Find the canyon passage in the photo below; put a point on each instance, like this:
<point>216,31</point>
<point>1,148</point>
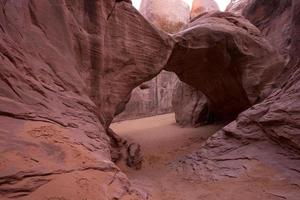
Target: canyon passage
<point>100,100</point>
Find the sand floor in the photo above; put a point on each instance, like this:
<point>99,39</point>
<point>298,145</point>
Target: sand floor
<point>163,141</point>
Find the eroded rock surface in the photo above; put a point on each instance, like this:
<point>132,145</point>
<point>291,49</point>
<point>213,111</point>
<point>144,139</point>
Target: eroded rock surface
<point>266,137</point>
<point>66,70</point>
<point>271,17</point>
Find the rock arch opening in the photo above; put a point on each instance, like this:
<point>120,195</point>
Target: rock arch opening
<point>213,64</point>
<point>161,96</point>
<point>217,57</point>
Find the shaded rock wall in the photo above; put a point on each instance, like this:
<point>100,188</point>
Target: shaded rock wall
<point>190,104</point>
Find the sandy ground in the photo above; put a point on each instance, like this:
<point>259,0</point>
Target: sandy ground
<point>163,141</point>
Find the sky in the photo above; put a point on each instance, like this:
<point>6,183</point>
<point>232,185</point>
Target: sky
<point>222,3</point>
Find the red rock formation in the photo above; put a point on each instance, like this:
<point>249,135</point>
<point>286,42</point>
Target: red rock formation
<point>191,116</point>
<point>226,58</point>
<point>66,67</point>
<point>201,6</point>
<point>266,135</point>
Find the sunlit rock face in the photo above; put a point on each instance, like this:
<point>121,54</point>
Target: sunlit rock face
<point>201,6</point>
<point>168,15</point>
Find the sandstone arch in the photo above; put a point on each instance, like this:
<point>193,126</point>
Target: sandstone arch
<point>63,80</point>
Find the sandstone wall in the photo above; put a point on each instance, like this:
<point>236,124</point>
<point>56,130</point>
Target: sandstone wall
<point>66,70</point>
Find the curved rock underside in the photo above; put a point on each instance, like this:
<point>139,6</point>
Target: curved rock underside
<point>67,67</point>
<point>189,104</point>
<point>226,58</point>
<point>194,116</point>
